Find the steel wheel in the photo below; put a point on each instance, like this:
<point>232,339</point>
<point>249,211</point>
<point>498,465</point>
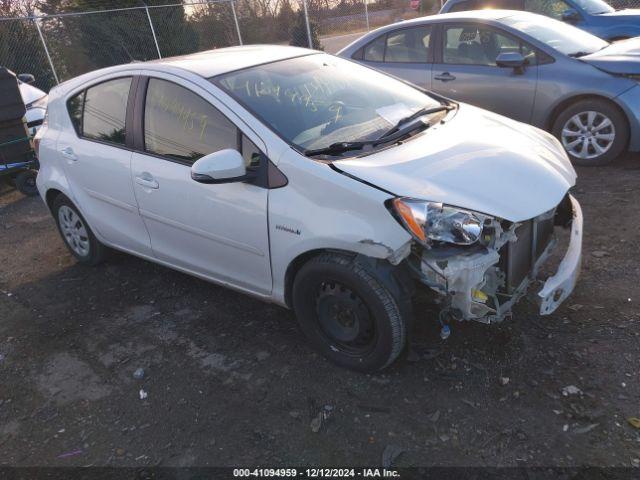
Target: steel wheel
<point>348,312</point>
<point>588,135</point>
<point>74,231</point>
<point>344,319</point>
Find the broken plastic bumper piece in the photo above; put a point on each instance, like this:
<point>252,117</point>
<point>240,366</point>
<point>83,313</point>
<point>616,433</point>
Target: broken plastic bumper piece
<point>558,287</point>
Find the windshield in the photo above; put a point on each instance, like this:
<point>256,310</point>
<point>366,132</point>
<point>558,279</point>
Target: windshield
<point>318,100</point>
<point>558,35</point>
<point>594,7</point>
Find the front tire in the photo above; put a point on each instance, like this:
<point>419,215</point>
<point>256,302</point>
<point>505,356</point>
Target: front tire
<point>348,314</point>
<point>76,233</point>
<point>593,132</point>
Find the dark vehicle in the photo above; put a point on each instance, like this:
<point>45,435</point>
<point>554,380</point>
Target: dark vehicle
<point>18,161</point>
<point>594,16</point>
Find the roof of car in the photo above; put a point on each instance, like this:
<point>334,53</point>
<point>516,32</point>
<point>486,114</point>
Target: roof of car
<point>488,15</point>
<point>485,14</point>
<point>223,60</point>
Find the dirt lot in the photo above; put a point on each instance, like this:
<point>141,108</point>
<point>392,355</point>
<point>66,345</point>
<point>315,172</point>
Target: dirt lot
<point>231,381</point>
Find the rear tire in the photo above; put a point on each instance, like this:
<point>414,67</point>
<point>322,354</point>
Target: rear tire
<point>26,183</point>
<point>593,132</point>
<point>348,314</point>
<point>76,233</point>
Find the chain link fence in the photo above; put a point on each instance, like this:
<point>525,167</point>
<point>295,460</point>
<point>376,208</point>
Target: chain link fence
<point>623,4</point>
<point>37,37</point>
<point>56,47</point>
<point>21,50</point>
<point>78,43</point>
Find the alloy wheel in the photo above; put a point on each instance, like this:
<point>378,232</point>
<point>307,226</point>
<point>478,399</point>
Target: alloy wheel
<point>588,135</point>
<point>73,231</point>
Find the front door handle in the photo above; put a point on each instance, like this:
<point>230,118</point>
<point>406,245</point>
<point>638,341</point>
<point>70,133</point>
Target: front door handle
<point>69,154</point>
<point>146,180</point>
<point>445,77</point>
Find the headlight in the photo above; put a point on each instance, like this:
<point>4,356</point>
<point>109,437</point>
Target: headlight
<point>429,221</point>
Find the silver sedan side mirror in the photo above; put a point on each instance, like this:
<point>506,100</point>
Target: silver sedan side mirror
<point>513,60</point>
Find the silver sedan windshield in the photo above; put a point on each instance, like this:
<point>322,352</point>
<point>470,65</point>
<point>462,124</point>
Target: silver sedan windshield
<point>564,38</point>
<point>318,100</point>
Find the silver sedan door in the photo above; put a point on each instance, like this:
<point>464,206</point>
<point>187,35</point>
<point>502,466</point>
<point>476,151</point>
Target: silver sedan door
<point>466,70</point>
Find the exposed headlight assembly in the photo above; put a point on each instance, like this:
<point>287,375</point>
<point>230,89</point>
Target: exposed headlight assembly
<point>429,221</point>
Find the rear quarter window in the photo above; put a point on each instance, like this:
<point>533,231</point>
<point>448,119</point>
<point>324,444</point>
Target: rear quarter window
<point>74,107</point>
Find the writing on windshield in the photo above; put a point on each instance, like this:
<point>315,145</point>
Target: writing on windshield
<point>317,100</point>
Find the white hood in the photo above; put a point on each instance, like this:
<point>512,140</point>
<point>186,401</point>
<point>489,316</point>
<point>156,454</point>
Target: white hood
<point>476,160</point>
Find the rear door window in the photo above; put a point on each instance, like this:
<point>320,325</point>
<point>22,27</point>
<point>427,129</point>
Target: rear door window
<point>374,51</point>
<point>99,112</point>
<point>408,45</point>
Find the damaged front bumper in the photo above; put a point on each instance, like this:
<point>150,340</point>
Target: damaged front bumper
<point>484,282</point>
<point>558,287</point>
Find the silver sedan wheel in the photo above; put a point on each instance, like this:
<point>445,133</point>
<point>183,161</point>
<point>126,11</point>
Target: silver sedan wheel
<point>74,231</point>
<point>588,135</point>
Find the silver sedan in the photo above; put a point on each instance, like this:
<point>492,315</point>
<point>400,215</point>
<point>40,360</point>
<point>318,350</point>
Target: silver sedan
<point>528,67</point>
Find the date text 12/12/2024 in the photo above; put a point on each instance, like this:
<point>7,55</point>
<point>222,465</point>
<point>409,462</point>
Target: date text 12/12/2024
<point>315,473</point>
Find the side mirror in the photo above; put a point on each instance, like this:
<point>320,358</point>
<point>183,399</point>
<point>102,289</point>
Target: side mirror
<point>570,15</point>
<point>513,60</point>
<point>26,78</point>
<point>224,166</point>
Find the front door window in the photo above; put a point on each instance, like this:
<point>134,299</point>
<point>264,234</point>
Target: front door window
<point>479,45</point>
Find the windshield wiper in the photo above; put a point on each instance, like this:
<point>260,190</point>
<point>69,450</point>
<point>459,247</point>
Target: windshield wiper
<point>390,135</point>
<point>337,148</point>
<point>341,147</point>
<point>420,113</point>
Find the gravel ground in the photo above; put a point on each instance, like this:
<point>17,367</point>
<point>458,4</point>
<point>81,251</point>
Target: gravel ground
<point>230,381</point>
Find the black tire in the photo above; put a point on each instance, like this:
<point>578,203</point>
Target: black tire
<point>333,292</point>
<point>607,109</point>
<point>95,251</point>
<point>26,183</point>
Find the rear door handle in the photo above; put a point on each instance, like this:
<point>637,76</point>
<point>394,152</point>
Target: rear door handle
<point>69,154</point>
<point>445,77</point>
<point>146,180</point>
